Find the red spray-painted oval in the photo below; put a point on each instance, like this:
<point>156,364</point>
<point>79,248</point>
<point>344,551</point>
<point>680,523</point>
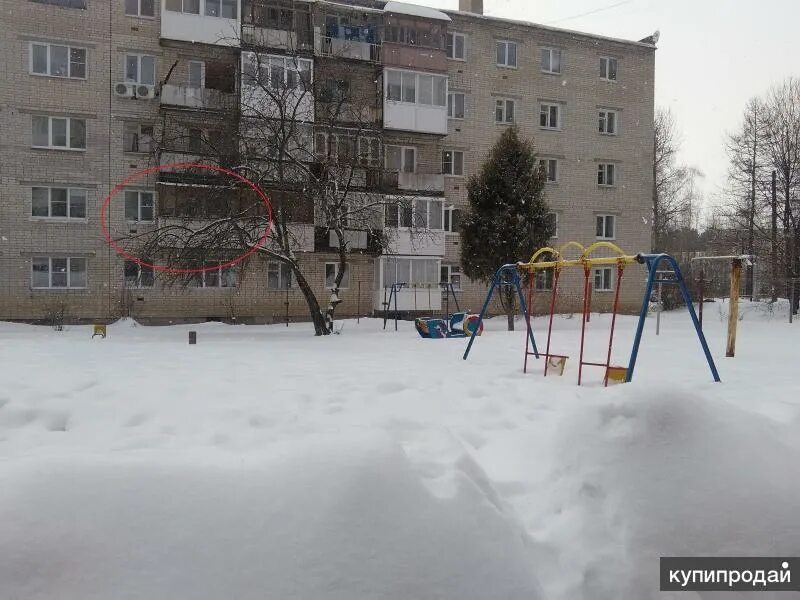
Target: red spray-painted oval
<point>186,165</point>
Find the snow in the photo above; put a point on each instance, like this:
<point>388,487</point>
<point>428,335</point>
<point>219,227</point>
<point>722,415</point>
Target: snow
<point>264,462</point>
<point>414,10</point>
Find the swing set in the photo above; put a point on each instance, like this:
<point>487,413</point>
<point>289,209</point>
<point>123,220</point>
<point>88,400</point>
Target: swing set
<point>555,260</point>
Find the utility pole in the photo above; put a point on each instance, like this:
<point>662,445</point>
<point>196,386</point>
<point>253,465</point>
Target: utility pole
<point>774,256</point>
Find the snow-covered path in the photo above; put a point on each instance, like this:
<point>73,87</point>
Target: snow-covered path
<point>265,463</point>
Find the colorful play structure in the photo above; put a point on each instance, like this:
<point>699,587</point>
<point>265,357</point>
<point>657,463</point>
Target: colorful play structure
<point>551,258</point>
<point>459,324</point>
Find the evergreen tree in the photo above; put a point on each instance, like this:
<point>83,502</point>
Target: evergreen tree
<point>508,218</point>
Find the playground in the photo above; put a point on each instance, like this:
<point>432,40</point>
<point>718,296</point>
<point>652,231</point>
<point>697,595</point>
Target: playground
<point>373,449</point>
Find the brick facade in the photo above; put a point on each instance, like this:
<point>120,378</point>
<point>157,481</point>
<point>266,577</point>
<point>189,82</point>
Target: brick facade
<point>107,35</point>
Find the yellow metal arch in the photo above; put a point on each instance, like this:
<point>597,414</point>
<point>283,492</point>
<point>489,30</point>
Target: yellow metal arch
<point>584,260</point>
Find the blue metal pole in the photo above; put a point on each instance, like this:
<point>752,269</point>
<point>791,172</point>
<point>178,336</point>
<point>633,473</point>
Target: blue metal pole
<point>525,316</point>
<point>483,312</point>
<point>690,307</point>
<point>642,316</point>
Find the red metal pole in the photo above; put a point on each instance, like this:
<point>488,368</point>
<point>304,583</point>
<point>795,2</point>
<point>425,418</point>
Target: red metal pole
<point>531,277</point>
<point>583,318</point>
<point>620,269</point>
<point>552,312</point>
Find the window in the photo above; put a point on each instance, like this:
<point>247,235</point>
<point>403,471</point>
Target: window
<point>603,279</point>
<point>608,68</point>
<point>451,274</point>
<point>332,271</point>
<point>411,271</point>
<point>452,218</point>
<point>197,74</point>
<point>334,90</point>
<point>605,227</point>
<point>401,158</point>
<point>63,3</point>
<point>553,218</point>
<point>57,272</point>
<point>221,8</point>
<point>139,206</point>
<point>369,151</point>
<point>140,8</point>
<point>186,6</point>
<point>58,203</point>
<point>420,213</point>
<point>58,61</point>
<point>456,43</point>
<point>61,133</point>
<point>416,88</point>
<point>137,138</point>
<point>607,122</point>
<point>506,54</point>
<point>223,277</point>
<point>549,116</point>
<point>550,168</point>
<point>504,111</point>
<point>551,60</point>
<point>284,72</point>
<point>409,86</point>
<point>543,280</point>
<point>138,275</point>
<point>140,68</point>
<point>455,105</point>
<point>606,174</point>
<point>279,276</point>
<point>452,162</point>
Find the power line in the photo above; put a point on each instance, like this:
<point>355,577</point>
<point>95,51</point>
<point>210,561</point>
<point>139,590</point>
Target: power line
<point>590,12</point>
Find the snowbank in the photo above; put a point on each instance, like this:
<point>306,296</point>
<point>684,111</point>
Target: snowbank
<point>340,519</point>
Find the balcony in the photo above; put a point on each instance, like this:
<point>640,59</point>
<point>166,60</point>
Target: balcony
<point>424,182</point>
<point>199,98</point>
<point>282,39</point>
<point>199,28</point>
<point>415,117</point>
<point>346,48</point>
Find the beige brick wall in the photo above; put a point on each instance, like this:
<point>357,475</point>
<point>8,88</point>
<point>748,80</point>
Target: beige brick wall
<point>108,34</point>
<point>577,146</point>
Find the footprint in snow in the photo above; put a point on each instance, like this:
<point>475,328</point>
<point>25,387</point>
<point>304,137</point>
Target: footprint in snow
<point>136,420</point>
<point>391,387</point>
<point>57,421</point>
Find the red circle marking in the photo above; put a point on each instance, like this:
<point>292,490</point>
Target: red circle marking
<point>185,165</point>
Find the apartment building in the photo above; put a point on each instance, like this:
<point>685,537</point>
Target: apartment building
<point>95,90</point>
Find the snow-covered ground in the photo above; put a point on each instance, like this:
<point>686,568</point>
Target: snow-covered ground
<point>266,463</point>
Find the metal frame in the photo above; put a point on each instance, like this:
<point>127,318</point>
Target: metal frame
<point>505,275</point>
<point>652,261</point>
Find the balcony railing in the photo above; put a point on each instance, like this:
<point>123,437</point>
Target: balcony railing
<point>344,48</point>
<point>424,182</point>
<point>201,98</point>
<point>265,37</point>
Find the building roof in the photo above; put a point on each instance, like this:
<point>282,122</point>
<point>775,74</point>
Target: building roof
<point>591,36</point>
<point>415,10</point>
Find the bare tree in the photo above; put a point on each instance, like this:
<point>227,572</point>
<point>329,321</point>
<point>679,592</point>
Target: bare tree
<point>673,184</point>
<point>783,151</point>
<point>316,150</point>
<point>747,208</point>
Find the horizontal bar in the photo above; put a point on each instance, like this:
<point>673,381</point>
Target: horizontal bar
<point>593,364</point>
<point>576,262</point>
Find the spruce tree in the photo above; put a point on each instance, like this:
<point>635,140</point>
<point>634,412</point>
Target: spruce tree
<point>508,214</point>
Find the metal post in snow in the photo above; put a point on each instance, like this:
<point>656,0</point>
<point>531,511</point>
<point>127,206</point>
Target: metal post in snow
<point>658,310</point>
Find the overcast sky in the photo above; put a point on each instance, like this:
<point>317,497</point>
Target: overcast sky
<point>712,57</point>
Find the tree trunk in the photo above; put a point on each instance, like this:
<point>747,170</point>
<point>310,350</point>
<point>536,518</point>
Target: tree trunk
<point>317,317</point>
<point>510,305</point>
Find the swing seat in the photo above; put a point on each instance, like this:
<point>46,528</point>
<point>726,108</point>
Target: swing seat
<point>616,375</point>
<point>557,362</point>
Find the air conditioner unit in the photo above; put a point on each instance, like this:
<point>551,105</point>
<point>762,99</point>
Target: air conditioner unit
<point>145,92</point>
<point>125,90</point>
